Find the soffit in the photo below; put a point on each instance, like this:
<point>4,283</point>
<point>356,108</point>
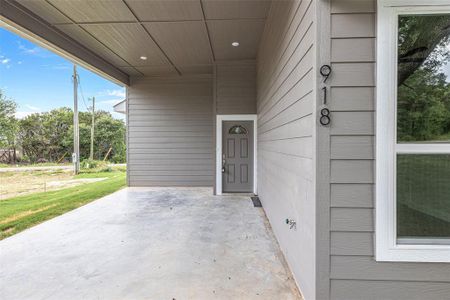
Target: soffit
<point>188,43</point>
<point>242,9</point>
<point>163,10</point>
<point>94,10</point>
<point>81,36</point>
<point>130,41</point>
<point>224,32</point>
<point>46,11</point>
<point>177,36</point>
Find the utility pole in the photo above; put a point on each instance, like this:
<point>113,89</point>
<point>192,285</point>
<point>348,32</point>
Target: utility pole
<point>76,130</point>
<point>91,156</point>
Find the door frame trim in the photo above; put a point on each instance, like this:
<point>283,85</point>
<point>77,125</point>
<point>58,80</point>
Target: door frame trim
<point>219,122</point>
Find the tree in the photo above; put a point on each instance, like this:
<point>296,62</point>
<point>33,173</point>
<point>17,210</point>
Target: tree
<point>423,91</point>
<point>8,122</point>
<point>109,133</point>
<point>49,135</point>
<point>424,107</point>
<point>422,42</point>
<point>42,135</point>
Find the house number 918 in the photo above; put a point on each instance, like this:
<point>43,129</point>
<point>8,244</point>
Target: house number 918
<point>325,118</point>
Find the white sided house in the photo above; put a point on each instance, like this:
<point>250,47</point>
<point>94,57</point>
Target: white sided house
<point>335,113</point>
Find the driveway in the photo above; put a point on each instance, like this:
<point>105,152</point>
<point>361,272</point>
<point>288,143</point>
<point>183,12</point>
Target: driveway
<point>149,243</point>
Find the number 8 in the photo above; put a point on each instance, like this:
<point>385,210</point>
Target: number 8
<point>325,117</point>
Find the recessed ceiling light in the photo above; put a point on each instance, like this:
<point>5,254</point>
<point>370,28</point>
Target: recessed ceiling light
<point>235,44</point>
<point>144,57</point>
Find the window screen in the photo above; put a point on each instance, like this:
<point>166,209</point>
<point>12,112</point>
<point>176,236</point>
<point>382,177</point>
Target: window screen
<point>423,118</point>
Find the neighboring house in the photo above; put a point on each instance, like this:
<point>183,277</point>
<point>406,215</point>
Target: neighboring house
<point>232,94</point>
<point>121,107</point>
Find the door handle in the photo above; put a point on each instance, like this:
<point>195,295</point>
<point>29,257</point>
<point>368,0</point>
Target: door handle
<point>223,163</point>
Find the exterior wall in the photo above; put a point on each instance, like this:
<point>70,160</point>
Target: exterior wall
<point>235,88</point>
<point>354,273</point>
<point>285,105</point>
<point>171,123</point>
<point>170,132</point>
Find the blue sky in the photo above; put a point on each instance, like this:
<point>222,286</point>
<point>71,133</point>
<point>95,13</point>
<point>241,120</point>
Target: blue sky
<point>39,80</point>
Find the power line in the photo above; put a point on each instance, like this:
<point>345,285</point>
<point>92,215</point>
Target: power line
<point>82,94</point>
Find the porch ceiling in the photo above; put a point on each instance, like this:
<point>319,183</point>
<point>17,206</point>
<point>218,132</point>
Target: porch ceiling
<point>177,36</point>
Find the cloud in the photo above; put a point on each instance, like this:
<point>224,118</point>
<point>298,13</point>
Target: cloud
<point>30,110</point>
<point>5,61</point>
<point>62,66</point>
<point>34,108</point>
<point>116,93</point>
<point>23,114</point>
<point>26,50</point>
<point>36,51</point>
<point>110,102</point>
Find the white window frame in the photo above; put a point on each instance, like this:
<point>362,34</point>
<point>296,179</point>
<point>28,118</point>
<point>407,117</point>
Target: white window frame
<point>387,246</point>
<point>219,125</point>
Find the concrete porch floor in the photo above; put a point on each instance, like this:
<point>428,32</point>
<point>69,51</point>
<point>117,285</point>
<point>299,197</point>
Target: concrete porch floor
<point>149,243</point>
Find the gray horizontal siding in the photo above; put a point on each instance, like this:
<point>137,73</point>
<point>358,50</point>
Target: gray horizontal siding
<point>352,147</point>
<point>388,290</point>
<point>285,101</point>
<point>345,25</point>
<point>236,88</point>
<point>352,243</point>
<point>365,268</point>
<point>170,132</point>
<point>352,195</point>
<point>352,99</point>
<point>354,272</point>
<point>352,219</point>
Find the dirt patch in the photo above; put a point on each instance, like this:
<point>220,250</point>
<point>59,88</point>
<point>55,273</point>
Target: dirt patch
<point>69,183</point>
<point>25,213</point>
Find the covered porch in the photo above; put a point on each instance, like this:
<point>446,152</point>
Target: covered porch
<point>149,243</point>
<point>220,94</point>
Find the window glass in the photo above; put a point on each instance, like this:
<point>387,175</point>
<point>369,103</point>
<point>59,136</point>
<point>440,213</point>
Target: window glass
<point>423,196</point>
<point>423,97</point>
<point>237,129</point>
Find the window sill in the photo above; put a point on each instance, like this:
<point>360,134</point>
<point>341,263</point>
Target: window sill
<point>415,253</point>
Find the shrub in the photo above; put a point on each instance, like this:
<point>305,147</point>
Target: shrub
<point>93,166</point>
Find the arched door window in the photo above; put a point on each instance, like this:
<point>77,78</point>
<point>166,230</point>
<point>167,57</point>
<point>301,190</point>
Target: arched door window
<point>237,129</point>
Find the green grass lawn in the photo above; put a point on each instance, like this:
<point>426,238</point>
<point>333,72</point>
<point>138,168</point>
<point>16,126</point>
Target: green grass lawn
<point>20,213</point>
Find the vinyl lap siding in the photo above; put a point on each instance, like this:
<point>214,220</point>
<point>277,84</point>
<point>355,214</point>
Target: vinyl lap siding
<point>170,132</point>
<point>235,88</point>
<point>354,272</point>
<point>285,83</point>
